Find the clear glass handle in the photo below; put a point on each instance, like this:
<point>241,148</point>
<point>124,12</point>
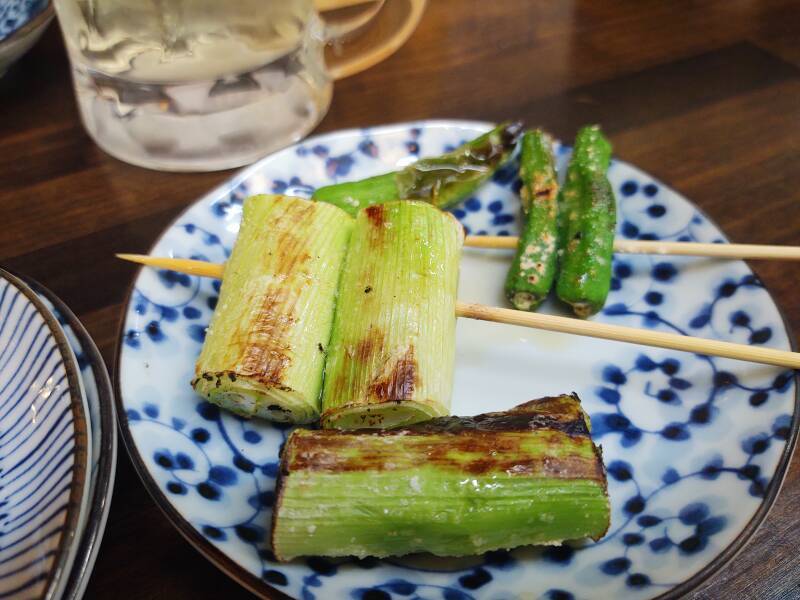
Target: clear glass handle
<point>361,33</point>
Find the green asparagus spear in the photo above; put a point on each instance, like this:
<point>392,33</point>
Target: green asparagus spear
<point>587,222</point>
<point>534,266</point>
<point>443,180</point>
<point>452,486</point>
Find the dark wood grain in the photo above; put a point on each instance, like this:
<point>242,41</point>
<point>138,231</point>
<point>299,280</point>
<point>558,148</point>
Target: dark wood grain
<point>705,96</point>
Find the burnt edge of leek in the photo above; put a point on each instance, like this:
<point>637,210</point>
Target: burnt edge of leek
<point>559,413</point>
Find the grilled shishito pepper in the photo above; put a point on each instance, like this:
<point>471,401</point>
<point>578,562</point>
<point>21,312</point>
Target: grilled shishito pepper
<point>392,349</point>
<point>265,349</point>
<point>443,181</point>
<point>452,486</point>
<point>587,222</point>
<point>534,266</point>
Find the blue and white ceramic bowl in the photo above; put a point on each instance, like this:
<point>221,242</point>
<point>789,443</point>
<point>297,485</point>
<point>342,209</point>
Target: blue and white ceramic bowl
<point>22,22</point>
<point>696,447</point>
<point>103,440</point>
<point>44,449</point>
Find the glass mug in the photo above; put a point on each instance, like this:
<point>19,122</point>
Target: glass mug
<point>202,85</point>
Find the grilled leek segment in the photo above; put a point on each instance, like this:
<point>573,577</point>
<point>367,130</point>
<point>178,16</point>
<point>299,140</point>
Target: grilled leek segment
<point>265,348</point>
<point>453,486</point>
<point>443,180</point>
<point>392,349</point>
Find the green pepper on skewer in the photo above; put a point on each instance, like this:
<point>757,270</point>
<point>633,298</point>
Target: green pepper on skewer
<point>534,266</point>
<point>587,222</point>
<point>591,152</point>
<point>444,180</point>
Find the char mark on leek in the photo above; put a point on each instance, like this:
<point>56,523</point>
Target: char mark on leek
<point>399,382</point>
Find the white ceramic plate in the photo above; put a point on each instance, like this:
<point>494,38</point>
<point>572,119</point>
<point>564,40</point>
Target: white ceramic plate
<point>696,447</point>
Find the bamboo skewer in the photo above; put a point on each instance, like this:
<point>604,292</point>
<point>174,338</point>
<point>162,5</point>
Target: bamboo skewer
<point>672,341</point>
<point>632,335</point>
<point>740,251</point>
<point>181,265</point>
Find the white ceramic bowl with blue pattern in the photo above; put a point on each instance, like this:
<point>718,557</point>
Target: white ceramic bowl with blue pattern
<point>103,438</point>
<point>44,449</point>
<point>696,447</point>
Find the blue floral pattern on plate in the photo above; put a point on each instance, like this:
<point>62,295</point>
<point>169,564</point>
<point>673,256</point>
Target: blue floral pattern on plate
<point>695,446</point>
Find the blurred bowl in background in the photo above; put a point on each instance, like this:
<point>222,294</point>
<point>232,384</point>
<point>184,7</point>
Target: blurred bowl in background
<point>22,22</point>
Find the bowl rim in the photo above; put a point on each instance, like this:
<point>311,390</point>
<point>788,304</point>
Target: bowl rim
<point>262,589</point>
<point>69,536</point>
<point>101,498</point>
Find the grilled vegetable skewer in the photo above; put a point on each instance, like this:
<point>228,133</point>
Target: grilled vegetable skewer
<point>392,348</point>
<point>534,266</point>
<point>264,351</point>
<point>622,246</point>
<point>587,221</point>
<point>453,486</point>
<point>443,181</point>
<point>631,335</point>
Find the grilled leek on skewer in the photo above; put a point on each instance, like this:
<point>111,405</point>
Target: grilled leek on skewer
<point>392,348</point>
<point>265,348</point>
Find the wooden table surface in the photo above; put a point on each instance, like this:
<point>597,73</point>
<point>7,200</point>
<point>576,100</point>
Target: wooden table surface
<point>703,95</point>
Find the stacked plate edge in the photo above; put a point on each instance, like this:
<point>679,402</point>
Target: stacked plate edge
<point>57,444</point>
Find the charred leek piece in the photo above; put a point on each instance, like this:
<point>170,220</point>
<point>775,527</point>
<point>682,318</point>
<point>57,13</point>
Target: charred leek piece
<point>444,181</point>
<point>391,354</point>
<point>533,269</point>
<point>265,348</point>
<point>453,486</point>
